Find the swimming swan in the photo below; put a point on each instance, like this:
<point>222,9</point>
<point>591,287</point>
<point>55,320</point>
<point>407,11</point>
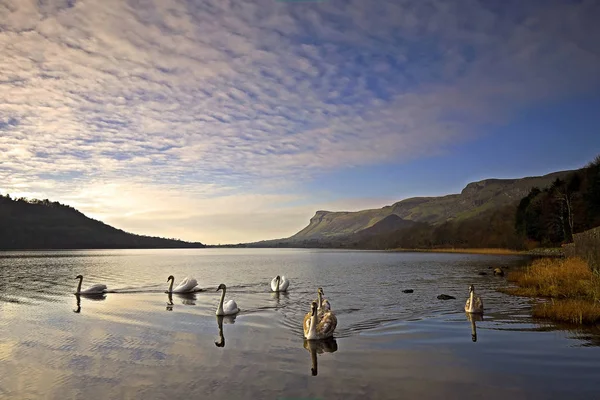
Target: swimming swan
<point>228,308</point>
<point>280,284</point>
<point>185,286</point>
<point>316,328</point>
<point>474,303</point>
<point>94,289</point>
<point>323,304</point>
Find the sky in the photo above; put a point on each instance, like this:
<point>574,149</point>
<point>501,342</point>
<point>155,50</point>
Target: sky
<point>229,121</point>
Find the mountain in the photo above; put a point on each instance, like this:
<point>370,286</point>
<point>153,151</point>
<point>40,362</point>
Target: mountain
<point>42,224</point>
<point>475,199</point>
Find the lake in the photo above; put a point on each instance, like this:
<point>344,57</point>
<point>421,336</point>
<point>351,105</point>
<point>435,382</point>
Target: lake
<point>136,342</point>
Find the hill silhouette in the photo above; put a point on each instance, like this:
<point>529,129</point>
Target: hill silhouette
<point>494,213</point>
<point>43,224</point>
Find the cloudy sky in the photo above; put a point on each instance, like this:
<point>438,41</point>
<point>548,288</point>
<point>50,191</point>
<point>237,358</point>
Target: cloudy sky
<point>228,121</point>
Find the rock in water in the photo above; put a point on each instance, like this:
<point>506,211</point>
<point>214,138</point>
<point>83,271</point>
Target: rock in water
<point>482,273</point>
<point>498,272</point>
<point>445,297</point>
<point>407,291</point>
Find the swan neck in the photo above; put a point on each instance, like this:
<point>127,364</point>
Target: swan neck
<point>79,284</point>
<point>277,287</point>
<point>222,300</point>
<point>320,299</point>
<point>471,297</point>
<point>171,285</point>
<point>313,324</point>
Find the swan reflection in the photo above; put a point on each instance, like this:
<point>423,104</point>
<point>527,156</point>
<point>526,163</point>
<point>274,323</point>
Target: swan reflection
<point>472,318</point>
<point>188,299</point>
<point>93,297</point>
<point>278,295</point>
<point>319,347</point>
<point>228,319</point>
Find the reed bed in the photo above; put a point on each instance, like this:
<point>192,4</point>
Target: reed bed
<point>570,284</point>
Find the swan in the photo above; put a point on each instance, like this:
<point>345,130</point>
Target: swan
<point>185,286</point>
<point>316,328</point>
<point>474,303</point>
<point>228,308</point>
<point>94,289</point>
<point>280,284</point>
<point>322,303</point>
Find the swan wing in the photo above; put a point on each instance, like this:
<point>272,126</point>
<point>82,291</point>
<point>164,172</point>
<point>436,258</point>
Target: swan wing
<point>283,285</point>
<point>478,303</point>
<point>468,305</point>
<point>230,307</point>
<point>97,288</point>
<point>186,285</point>
<point>327,325</point>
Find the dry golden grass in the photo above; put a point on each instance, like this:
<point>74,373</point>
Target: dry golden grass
<point>570,283</point>
<point>572,311</point>
<point>467,251</point>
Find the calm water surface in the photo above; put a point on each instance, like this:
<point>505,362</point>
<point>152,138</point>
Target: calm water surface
<point>136,342</point>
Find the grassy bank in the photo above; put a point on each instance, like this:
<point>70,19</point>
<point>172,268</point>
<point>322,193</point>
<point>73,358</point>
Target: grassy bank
<point>466,251</point>
<point>570,285</point>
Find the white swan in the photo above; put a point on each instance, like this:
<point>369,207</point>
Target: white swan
<point>185,286</point>
<point>323,304</point>
<point>94,289</point>
<point>316,328</point>
<point>474,303</point>
<point>280,284</point>
<point>228,308</point>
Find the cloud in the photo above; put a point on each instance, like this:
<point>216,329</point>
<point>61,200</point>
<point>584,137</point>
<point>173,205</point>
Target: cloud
<point>243,98</point>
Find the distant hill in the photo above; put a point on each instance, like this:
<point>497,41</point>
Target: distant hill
<point>42,224</point>
<point>475,199</point>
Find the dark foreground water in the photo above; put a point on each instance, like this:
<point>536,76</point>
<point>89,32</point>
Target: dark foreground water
<point>136,343</point>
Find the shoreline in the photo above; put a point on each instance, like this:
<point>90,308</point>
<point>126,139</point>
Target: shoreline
<point>541,252</point>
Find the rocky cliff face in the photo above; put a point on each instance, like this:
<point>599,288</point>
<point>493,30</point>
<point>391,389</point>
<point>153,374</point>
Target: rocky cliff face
<point>474,199</point>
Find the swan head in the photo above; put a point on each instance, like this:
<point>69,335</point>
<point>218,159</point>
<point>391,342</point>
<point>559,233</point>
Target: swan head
<point>320,290</point>
<point>170,277</point>
<point>221,286</point>
<point>278,277</point>
<point>79,277</point>
<point>471,288</point>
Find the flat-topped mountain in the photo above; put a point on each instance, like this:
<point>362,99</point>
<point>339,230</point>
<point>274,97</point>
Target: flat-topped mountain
<point>42,224</point>
<point>476,198</point>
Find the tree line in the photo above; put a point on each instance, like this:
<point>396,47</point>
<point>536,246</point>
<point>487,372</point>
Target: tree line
<point>43,224</point>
